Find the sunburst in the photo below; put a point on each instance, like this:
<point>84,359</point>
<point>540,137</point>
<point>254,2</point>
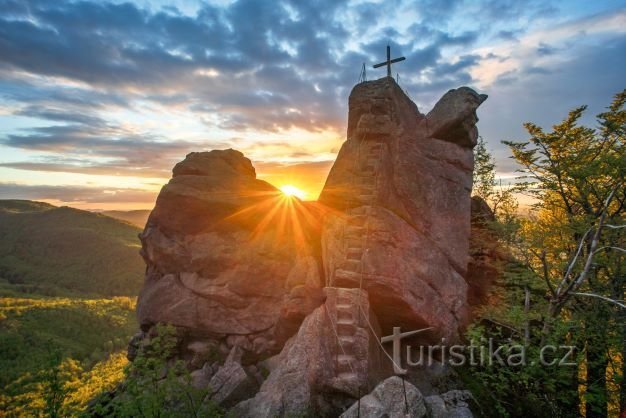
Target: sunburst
<point>292,191</point>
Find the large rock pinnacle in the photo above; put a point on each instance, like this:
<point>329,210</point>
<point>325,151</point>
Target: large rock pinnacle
<point>402,184</point>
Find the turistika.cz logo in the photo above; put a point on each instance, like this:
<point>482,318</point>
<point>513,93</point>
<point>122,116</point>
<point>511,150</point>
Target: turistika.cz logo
<point>483,353</point>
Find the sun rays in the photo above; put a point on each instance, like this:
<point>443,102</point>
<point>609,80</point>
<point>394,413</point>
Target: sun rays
<point>290,191</point>
<point>282,216</point>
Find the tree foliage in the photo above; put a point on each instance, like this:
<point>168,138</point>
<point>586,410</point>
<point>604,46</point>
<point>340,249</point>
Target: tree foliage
<point>158,385</point>
<point>568,283</point>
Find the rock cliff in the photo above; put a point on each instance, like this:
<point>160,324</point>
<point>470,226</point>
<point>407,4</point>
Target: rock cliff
<point>305,290</point>
<point>401,186</point>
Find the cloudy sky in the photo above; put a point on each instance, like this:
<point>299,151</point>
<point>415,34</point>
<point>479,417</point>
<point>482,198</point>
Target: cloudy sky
<point>98,100</point>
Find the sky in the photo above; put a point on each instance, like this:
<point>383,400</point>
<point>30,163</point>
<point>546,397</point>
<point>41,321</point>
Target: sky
<point>99,99</point>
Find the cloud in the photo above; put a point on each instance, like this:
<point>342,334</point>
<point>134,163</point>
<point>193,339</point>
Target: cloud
<point>99,148</point>
<point>532,47</point>
<point>79,167</point>
<point>60,115</point>
<point>74,194</point>
<point>545,95</point>
<point>137,53</point>
<point>294,56</point>
<point>95,86</point>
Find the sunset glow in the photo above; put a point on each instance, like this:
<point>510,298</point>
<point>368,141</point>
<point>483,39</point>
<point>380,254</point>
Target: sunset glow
<point>92,121</point>
<point>289,190</point>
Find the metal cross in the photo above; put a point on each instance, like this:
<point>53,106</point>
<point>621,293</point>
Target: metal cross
<point>389,61</point>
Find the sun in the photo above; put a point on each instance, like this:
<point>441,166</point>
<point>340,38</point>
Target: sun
<point>289,190</point>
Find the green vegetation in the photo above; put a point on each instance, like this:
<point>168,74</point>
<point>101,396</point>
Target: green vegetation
<point>156,386</point>
<point>68,280</point>
<point>58,353</point>
<point>567,285</point>
<point>67,252</point>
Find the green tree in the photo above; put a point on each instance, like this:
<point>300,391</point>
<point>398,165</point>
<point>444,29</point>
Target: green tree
<point>575,240</point>
<point>157,385</point>
<point>500,198</point>
<point>55,384</point>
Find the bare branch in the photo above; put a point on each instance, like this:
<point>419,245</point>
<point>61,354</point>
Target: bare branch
<point>594,244</point>
<point>593,295</point>
<point>610,247</point>
<point>570,267</point>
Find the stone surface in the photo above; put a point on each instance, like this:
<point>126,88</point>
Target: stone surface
<point>201,377</point>
<point>289,289</point>
<point>134,345</point>
<point>487,257</point>
<point>401,189</point>
<point>231,384</point>
<point>388,401</point>
<point>452,404</point>
<point>432,378</point>
<point>420,291</point>
<point>219,262</point>
<point>313,374</point>
<point>454,117</point>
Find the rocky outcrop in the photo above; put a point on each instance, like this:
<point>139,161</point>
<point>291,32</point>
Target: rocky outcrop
<point>219,264</point>
<point>326,365</point>
<point>401,186</point>
<point>396,398</point>
<point>453,404</point>
<point>454,117</point>
<point>297,295</point>
<point>231,384</point>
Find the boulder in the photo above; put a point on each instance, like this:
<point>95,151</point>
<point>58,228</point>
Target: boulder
<point>388,400</point>
<point>452,404</point>
<point>134,345</point>
<point>201,377</point>
<point>454,117</point>
<point>231,384</point>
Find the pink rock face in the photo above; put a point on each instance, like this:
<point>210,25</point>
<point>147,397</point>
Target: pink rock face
<point>230,259</point>
<point>219,261</point>
<point>402,184</point>
<point>237,266</point>
<point>313,373</point>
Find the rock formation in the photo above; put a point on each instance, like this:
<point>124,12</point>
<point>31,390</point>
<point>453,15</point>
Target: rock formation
<point>217,263</point>
<point>487,258</point>
<point>401,185</point>
<point>305,290</point>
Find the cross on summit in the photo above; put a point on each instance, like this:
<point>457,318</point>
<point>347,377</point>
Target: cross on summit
<point>389,61</point>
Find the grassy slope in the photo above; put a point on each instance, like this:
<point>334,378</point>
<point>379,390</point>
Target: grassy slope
<point>63,251</point>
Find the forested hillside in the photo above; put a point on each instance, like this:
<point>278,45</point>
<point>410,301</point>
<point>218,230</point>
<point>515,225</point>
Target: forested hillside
<point>79,343</point>
<point>64,251</point>
<point>68,281</point>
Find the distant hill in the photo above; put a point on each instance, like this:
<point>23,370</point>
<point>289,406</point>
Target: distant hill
<point>135,217</point>
<point>52,250</point>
